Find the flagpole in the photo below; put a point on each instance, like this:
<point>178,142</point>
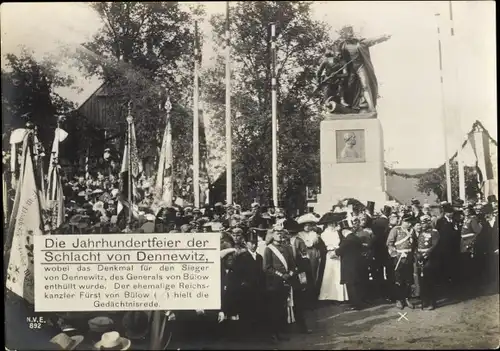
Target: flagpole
<point>456,103</point>
<point>274,116</point>
<point>229,169</point>
<point>130,184</point>
<point>196,124</point>
<point>443,114</point>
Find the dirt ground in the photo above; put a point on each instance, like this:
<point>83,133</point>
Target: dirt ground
<point>464,323</point>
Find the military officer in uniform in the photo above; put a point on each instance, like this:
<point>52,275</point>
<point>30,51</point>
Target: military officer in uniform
<point>427,239</point>
<point>400,245</point>
<point>470,230</point>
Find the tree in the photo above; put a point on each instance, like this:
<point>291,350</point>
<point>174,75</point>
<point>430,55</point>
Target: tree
<point>435,182</point>
<point>28,94</point>
<point>300,42</point>
<point>143,50</point>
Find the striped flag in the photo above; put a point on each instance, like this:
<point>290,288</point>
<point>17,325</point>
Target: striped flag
<point>55,196</point>
<point>25,221</point>
<point>164,177</point>
<point>480,144</point>
<point>131,163</point>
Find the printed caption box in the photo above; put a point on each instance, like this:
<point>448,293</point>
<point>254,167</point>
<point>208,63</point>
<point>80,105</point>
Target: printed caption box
<point>117,272</point>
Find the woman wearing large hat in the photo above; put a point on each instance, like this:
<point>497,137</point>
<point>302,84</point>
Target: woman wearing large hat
<point>331,289</point>
<point>313,243</point>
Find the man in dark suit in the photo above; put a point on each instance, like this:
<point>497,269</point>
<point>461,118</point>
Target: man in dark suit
<point>449,245</point>
<point>280,272</point>
<point>249,266</point>
<point>381,258</point>
<point>353,268</point>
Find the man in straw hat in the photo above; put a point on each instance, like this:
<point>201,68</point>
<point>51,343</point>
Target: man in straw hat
<point>400,245</point>
<point>280,271</point>
<point>112,341</point>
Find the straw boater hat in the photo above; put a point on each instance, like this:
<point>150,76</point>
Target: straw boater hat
<point>112,341</point>
<point>66,342</point>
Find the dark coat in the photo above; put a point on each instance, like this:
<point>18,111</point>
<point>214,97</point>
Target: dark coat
<point>380,228</point>
<point>352,263</point>
<point>273,268</point>
<point>250,271</point>
<point>449,236</point>
<point>231,292</point>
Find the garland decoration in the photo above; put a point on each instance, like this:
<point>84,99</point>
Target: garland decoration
<point>476,127</point>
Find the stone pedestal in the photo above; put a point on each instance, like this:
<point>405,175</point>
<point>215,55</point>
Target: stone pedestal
<point>350,169</point>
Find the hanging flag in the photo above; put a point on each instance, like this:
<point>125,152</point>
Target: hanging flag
<point>130,164</point>
<point>202,138</point>
<point>5,199</point>
<point>164,177</point>
<point>480,144</point>
<point>25,221</point>
<point>16,137</point>
<point>54,198</point>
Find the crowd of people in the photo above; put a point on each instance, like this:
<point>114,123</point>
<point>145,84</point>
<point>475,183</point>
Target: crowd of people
<point>276,267</point>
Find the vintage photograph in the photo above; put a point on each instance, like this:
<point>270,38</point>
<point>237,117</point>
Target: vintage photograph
<point>251,175</point>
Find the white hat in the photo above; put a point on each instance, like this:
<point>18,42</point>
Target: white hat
<point>150,217</point>
<point>112,340</point>
<point>65,342</point>
<point>307,218</point>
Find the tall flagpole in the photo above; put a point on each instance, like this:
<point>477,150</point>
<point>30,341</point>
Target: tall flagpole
<point>229,166</point>
<point>274,117</point>
<point>196,124</point>
<point>456,103</point>
<point>443,113</point>
<point>129,155</point>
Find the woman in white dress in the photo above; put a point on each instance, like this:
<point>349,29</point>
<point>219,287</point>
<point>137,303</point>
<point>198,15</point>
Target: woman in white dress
<point>331,289</point>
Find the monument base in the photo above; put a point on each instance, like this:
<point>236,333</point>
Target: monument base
<point>352,161</point>
<point>326,201</point>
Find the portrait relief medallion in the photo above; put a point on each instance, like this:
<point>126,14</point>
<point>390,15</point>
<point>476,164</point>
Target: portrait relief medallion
<point>350,146</point>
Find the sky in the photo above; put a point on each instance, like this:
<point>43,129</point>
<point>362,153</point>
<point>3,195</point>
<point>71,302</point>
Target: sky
<point>411,108</point>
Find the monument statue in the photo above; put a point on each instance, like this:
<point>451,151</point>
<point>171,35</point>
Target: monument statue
<point>346,75</point>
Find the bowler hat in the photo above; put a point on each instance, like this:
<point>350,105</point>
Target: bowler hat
<point>136,324</point>
<point>448,208</point>
<point>415,202</point>
<point>492,198</point>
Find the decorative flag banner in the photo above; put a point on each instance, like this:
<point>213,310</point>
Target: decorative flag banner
<point>480,145</point>
<point>164,177</point>
<point>131,163</point>
<point>25,221</point>
<point>55,196</point>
